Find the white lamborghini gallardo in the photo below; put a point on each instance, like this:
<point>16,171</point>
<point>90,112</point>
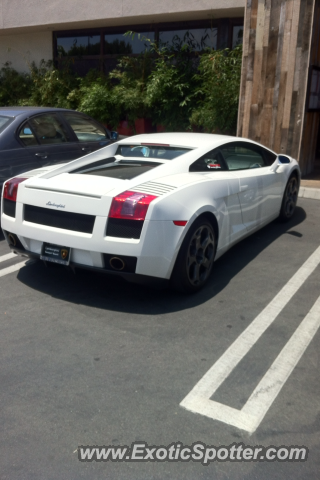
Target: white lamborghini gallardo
<point>158,206</point>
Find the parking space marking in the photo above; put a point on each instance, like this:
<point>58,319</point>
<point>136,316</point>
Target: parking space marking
<point>8,256</point>
<point>252,413</point>
<point>13,268</point>
<point>271,384</point>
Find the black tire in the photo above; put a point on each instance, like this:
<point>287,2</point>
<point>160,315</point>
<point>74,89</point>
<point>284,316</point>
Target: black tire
<point>290,198</point>
<point>195,259</point>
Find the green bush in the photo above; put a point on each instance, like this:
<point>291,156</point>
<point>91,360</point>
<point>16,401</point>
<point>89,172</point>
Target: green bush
<point>14,87</point>
<point>167,83</point>
<point>170,87</point>
<point>98,100</point>
<point>51,86</point>
<point>130,80</point>
<point>218,91</point>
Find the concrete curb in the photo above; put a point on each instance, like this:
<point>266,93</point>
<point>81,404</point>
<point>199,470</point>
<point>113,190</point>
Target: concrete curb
<point>307,192</point>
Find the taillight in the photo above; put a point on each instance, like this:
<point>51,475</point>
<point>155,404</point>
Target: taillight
<point>131,205</point>
<point>10,188</point>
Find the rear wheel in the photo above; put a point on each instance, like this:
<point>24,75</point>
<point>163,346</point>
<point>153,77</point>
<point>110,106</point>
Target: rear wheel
<point>289,200</point>
<point>195,259</point>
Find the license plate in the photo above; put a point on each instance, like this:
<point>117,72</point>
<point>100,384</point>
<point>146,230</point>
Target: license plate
<point>56,254</point>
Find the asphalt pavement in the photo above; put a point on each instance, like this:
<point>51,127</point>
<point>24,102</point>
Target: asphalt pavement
<point>92,360</point>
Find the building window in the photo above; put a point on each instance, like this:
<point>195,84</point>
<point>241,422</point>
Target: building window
<point>100,48</point>
<point>197,38</point>
<point>118,44</point>
<point>76,46</point>
<point>237,35</point>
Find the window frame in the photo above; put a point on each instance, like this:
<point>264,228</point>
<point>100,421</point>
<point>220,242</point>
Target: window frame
<point>139,28</point>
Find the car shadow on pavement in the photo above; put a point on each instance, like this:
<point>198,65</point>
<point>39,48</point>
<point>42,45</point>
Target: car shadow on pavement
<point>112,293</point>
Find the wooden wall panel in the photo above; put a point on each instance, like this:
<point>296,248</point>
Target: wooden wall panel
<point>277,40</point>
<point>311,120</point>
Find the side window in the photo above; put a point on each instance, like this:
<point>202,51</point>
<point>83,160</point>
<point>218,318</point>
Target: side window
<point>269,157</point>
<point>26,136</point>
<point>242,156</point>
<point>210,162</point>
<point>48,129</point>
<point>85,129</point>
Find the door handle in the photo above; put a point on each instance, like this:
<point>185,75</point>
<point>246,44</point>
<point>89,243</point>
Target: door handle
<point>243,188</point>
<point>41,155</point>
<point>86,149</point>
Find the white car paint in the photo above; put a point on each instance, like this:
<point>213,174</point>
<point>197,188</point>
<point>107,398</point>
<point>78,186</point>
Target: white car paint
<point>242,201</point>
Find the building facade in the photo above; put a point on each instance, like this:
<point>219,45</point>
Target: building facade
<point>31,31</point>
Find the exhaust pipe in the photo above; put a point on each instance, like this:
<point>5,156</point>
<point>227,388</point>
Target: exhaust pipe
<point>117,263</point>
<point>12,240</point>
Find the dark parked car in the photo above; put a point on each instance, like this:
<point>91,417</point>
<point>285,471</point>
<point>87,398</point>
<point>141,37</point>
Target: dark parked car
<point>33,137</point>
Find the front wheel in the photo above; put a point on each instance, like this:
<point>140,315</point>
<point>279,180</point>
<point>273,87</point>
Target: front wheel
<point>290,199</point>
<point>195,259</point>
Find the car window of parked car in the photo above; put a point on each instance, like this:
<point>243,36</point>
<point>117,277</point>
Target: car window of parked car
<point>242,156</point>
<point>210,162</point>
<point>48,129</point>
<point>4,122</point>
<point>164,152</point>
<point>26,135</point>
<point>85,129</point>
<point>269,157</point>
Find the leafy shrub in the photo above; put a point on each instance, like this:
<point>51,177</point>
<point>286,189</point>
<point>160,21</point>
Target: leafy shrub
<point>14,86</point>
<point>167,83</point>
<point>98,100</point>
<point>130,80</point>
<point>51,86</point>
<point>218,91</point>
<point>169,90</point>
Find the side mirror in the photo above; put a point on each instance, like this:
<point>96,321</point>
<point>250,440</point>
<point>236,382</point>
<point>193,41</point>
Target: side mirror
<point>114,135</point>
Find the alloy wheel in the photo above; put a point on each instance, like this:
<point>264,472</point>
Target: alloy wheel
<point>291,197</point>
<point>200,255</point>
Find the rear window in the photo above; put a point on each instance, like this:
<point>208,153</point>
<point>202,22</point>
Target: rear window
<point>123,169</point>
<point>4,122</point>
<point>151,151</point>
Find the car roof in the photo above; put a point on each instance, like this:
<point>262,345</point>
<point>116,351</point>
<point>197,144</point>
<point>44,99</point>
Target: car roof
<point>186,139</point>
<point>183,139</point>
<point>16,111</point>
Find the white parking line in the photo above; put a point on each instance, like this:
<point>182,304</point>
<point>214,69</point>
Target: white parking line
<point>13,268</point>
<point>250,416</point>
<point>271,384</point>
<point>3,258</point>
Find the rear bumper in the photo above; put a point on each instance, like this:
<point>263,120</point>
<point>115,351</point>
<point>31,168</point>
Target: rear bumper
<point>129,277</point>
<point>155,251</point>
